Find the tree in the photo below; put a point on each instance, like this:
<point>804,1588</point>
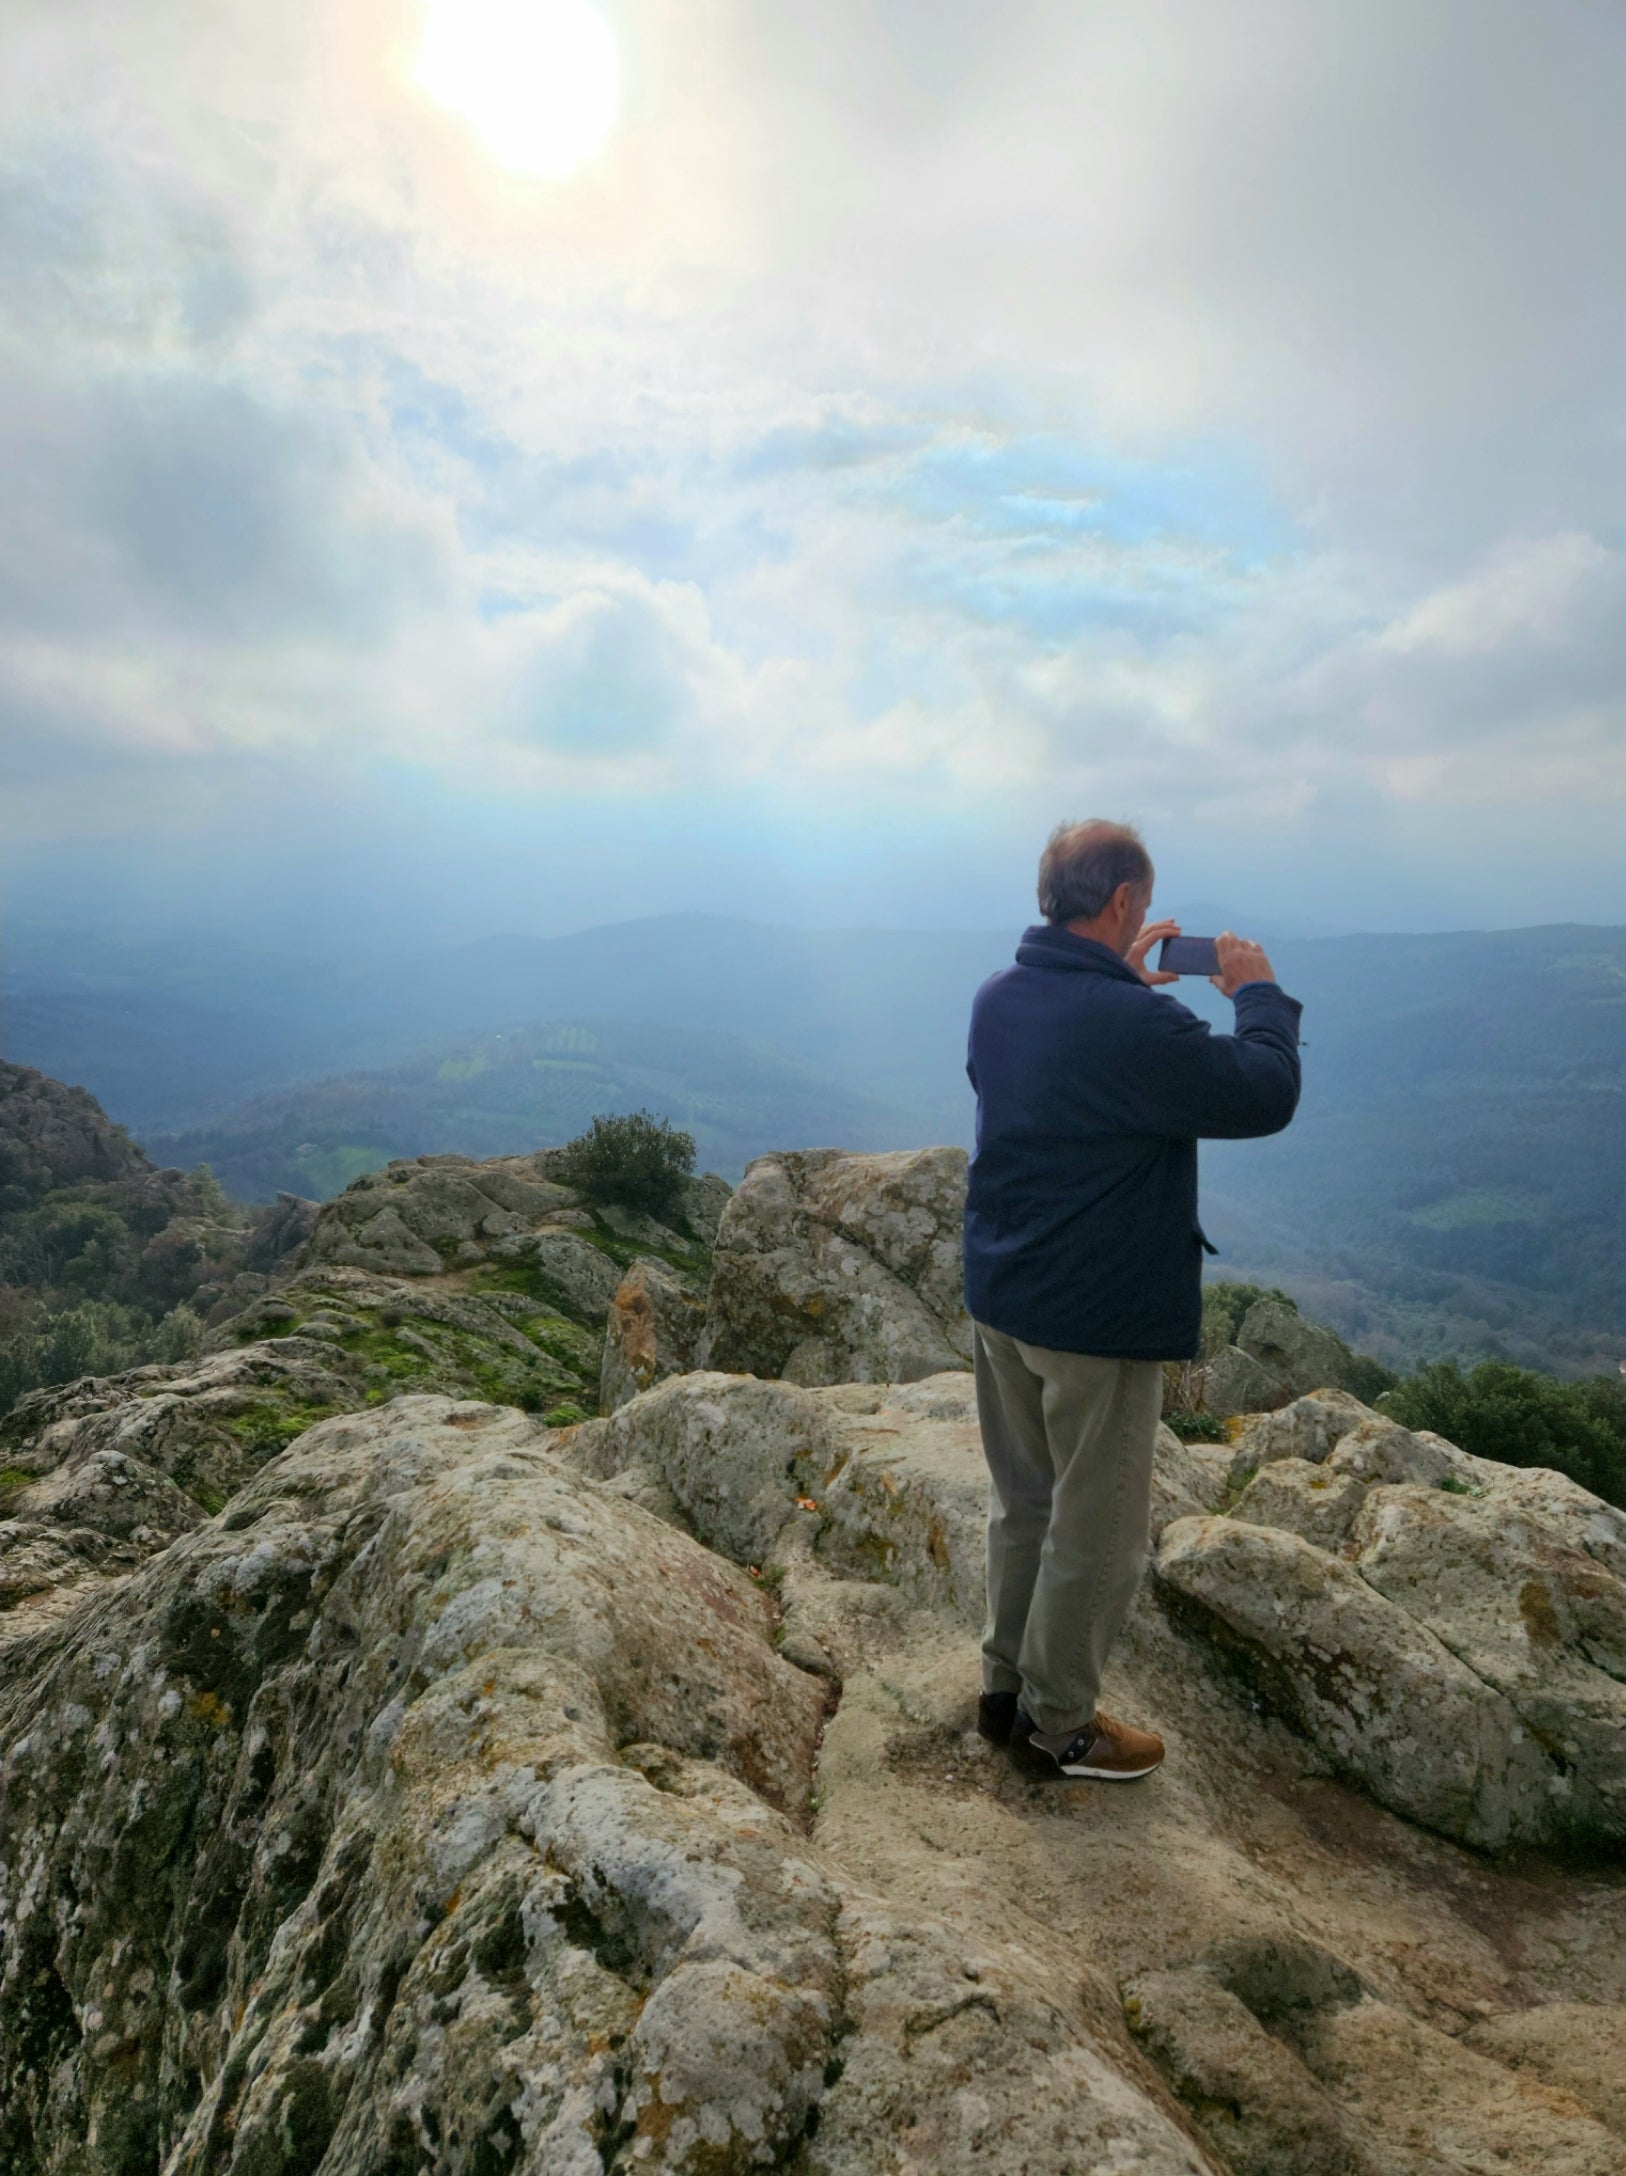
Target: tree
<point>637,1161</point>
<point>1522,1418</point>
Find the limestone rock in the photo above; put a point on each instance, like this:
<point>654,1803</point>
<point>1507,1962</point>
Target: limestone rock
<point>117,1466</point>
<point>468,1842</point>
<point>581,1277</point>
<point>833,1267</point>
<point>1278,1355</point>
<point>410,1218</point>
<point>1578,2048</point>
<point>704,1200</point>
<point>1301,1355</point>
<point>892,1479</point>
<point>654,1325</point>
<point>1265,2110</point>
<point>1307,1428</point>
<point>1431,1630</point>
<point>1283,2076</point>
<point>1233,1381</point>
<point>280,1230</point>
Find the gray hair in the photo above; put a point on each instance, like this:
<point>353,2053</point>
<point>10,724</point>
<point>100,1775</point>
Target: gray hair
<point>1083,865</point>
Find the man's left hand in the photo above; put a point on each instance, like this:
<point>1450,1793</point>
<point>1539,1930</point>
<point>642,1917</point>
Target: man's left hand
<point>1153,933</point>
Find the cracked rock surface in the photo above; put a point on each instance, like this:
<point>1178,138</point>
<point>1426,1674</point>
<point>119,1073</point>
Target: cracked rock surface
<point>833,1267</point>
<point>1450,1631</point>
<point>436,1808</point>
<point>480,1790</point>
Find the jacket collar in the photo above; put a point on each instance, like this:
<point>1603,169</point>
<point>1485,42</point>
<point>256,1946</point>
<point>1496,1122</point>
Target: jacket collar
<point>1048,945</point>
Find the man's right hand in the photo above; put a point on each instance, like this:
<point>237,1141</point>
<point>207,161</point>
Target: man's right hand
<point>1241,960</point>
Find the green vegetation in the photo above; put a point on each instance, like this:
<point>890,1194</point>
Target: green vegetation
<point>1522,1418</point>
<point>1196,1427</point>
<point>269,1427</point>
<point>103,1273</point>
<point>40,1346</point>
<point>635,1161</point>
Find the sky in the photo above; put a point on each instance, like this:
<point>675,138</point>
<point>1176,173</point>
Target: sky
<point>908,427</point>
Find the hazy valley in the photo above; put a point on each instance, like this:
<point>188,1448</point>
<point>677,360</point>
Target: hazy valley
<point>1455,1180</point>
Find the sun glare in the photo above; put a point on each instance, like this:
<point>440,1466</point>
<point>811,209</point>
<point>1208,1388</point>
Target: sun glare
<point>537,80</point>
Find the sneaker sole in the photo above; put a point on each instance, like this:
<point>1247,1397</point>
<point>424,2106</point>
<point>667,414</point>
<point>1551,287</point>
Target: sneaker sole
<point>1108,1775</point>
<point>1037,1766</point>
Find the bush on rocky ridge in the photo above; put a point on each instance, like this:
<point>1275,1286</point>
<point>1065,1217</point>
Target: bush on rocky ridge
<point>1521,1418</point>
<point>635,1161</point>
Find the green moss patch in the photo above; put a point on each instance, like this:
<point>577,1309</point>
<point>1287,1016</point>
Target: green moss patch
<point>266,1429</point>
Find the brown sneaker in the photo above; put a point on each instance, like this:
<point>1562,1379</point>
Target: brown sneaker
<point>1106,1752</point>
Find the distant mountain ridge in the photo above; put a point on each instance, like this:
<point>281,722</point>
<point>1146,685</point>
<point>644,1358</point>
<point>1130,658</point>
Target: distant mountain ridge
<point>1455,1179</point>
<point>533,1087</point>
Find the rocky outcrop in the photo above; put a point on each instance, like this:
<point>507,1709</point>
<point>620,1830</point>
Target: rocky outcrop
<point>832,1267</point>
<point>431,1214</point>
<point>478,1789</point>
<point>473,1841</point>
<point>176,1441</point>
<point>496,1285</point>
<point>1277,1355</point>
<point>1444,1630</point>
<point>655,1325</point>
<point>53,1136</point>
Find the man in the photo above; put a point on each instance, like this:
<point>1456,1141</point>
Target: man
<point>1083,1269</point>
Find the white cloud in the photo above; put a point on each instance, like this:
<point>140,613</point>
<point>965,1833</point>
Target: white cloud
<point>1200,410</point>
<point>1536,590</point>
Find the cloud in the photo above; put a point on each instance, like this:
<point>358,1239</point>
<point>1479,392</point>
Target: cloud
<point>1211,413</point>
<point>1541,591</point>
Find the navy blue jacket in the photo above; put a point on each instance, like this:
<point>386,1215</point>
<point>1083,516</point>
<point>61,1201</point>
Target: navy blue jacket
<point>1093,1089</point>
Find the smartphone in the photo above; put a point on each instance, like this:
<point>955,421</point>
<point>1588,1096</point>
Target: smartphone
<point>1188,956</point>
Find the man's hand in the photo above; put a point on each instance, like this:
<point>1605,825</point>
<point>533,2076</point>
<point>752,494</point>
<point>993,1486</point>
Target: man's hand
<point>1153,933</point>
<point>1241,960</point>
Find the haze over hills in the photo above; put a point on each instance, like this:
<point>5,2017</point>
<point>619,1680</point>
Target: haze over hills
<point>1455,1179</point>
<point>526,1088</point>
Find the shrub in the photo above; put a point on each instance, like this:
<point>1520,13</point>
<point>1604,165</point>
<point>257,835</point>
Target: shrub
<point>637,1161</point>
<point>1197,1427</point>
<point>1522,1418</point>
<point>1368,1379</point>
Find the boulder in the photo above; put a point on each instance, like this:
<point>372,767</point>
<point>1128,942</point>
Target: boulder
<point>1278,1355</point>
<point>1233,1381</point>
<point>582,1278</point>
<point>1434,1633</point>
<point>1300,1354</point>
<point>833,1267</point>
<point>654,1325</point>
<point>470,1838</point>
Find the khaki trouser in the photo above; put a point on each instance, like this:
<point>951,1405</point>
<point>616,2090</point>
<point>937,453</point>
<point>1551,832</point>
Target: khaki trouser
<point>1068,1439</point>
